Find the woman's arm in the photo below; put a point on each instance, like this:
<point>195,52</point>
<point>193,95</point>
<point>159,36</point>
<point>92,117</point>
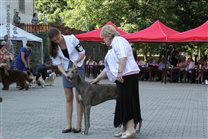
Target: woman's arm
<point>122,64</point>
<point>81,56</point>
<point>101,76</point>
<point>28,61</point>
<point>23,59</point>
<point>61,69</point>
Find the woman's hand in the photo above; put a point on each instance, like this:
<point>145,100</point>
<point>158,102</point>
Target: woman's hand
<point>74,65</point>
<point>119,77</point>
<point>94,81</point>
<point>65,74</point>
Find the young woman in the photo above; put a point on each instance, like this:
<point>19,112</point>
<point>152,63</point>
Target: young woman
<point>22,61</point>
<point>121,68</point>
<point>66,53</point>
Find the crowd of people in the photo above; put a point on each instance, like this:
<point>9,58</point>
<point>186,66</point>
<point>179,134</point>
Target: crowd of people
<point>93,68</point>
<point>178,68</point>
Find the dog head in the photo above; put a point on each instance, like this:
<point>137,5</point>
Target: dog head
<point>73,75</point>
<point>4,69</point>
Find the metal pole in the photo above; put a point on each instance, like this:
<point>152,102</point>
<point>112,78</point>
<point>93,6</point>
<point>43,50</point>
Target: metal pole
<point>166,60</point>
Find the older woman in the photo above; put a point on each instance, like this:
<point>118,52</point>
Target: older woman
<point>121,68</point>
<point>66,53</point>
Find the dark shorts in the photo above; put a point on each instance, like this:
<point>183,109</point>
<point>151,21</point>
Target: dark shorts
<point>67,83</point>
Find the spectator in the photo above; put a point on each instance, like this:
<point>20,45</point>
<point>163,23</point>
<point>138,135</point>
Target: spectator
<point>22,61</point>
<point>190,65</point>
<point>34,20</point>
<point>9,44</point>
<point>202,70</point>
<point>161,66</point>
<point>4,54</point>
<point>90,61</point>
<point>173,55</point>
<point>90,68</point>
<point>101,62</point>
<point>139,62</point>
<point>16,19</point>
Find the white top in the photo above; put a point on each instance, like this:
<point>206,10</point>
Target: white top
<point>190,66</point>
<point>71,43</point>
<point>120,49</point>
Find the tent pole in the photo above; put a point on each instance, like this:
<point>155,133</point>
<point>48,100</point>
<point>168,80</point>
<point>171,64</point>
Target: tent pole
<point>166,60</point>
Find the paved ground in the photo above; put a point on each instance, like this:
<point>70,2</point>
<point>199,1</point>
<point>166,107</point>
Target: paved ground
<point>171,111</point>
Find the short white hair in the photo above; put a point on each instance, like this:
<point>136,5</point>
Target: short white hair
<point>108,31</point>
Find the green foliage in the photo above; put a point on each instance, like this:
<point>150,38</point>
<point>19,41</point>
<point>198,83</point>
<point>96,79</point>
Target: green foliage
<point>130,15</point>
<point>51,9</point>
<point>45,45</point>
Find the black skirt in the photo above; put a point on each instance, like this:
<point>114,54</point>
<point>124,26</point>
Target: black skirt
<point>127,102</point>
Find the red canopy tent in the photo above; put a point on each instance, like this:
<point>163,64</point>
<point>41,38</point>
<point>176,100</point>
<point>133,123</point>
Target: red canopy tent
<point>199,34</point>
<point>157,32</point>
<point>95,35</point>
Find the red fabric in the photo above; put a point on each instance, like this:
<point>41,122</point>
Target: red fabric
<point>157,32</point>
<point>95,35</point>
<point>199,34</point>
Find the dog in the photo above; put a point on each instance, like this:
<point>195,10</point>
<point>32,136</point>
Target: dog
<point>90,94</point>
<point>13,76</point>
<point>51,79</point>
<point>39,81</point>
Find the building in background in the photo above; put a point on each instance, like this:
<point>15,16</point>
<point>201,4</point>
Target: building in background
<point>24,7</point>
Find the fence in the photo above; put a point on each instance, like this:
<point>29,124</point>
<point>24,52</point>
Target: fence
<point>35,28</point>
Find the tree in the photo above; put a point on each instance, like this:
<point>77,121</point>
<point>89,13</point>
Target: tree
<point>51,9</point>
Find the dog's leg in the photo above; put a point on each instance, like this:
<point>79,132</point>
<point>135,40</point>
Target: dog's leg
<point>25,85</point>
<point>5,85</point>
<point>87,119</point>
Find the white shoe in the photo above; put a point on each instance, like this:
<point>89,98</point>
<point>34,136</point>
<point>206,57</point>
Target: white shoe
<point>119,134</point>
<point>127,135</point>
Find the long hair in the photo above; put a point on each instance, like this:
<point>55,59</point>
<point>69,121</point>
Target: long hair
<point>53,47</point>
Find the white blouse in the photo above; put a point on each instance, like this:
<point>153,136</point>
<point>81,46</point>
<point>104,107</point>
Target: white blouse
<point>120,49</point>
<point>71,43</point>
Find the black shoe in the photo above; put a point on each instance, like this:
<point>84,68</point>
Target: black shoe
<point>67,130</point>
<point>76,130</point>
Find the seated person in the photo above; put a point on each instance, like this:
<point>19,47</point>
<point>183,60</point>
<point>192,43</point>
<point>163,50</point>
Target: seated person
<point>90,66</point>
<point>190,65</point>
<point>202,70</point>
<point>101,65</point>
<point>151,62</point>
<point>161,66</point>
<point>5,56</point>
<point>139,62</point>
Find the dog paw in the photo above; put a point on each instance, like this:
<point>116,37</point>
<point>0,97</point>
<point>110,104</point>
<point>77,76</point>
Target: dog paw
<point>85,132</point>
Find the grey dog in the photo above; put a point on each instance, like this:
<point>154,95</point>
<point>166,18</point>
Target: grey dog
<point>90,94</point>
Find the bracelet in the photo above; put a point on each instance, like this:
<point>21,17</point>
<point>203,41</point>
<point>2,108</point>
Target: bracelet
<point>119,71</point>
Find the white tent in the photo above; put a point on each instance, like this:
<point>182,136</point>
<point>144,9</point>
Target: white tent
<point>16,33</point>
